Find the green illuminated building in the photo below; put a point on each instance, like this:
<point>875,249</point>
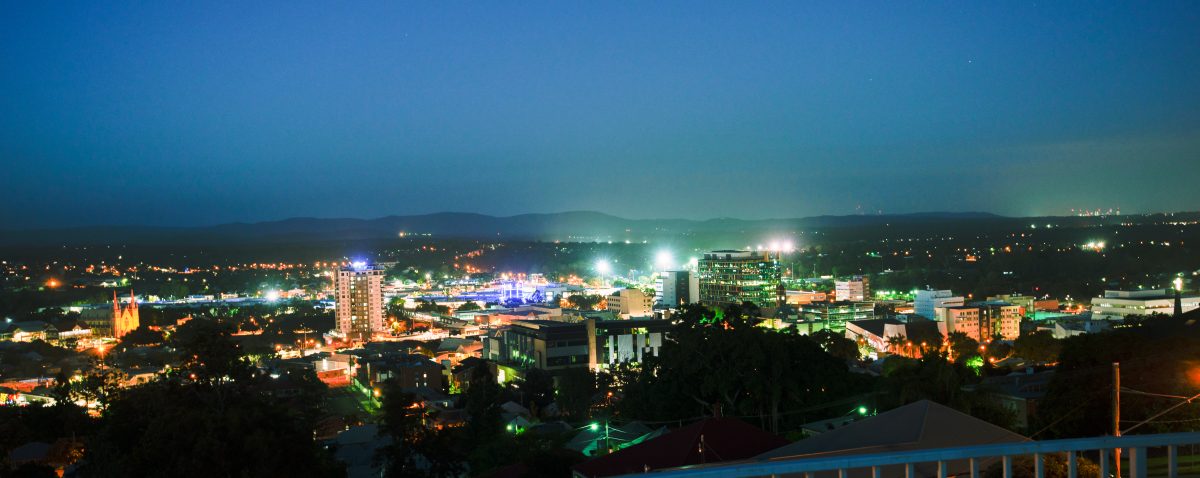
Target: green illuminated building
<point>734,277</point>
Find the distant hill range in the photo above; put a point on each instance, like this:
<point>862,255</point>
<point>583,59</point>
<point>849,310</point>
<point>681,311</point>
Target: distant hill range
<point>566,226</point>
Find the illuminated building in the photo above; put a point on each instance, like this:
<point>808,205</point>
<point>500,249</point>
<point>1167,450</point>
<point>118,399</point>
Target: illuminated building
<point>1119,304</point>
<point>676,288</point>
<point>983,320</point>
<point>359,297</point>
<point>611,342</point>
<point>734,277</point>
<point>124,319</point>
<point>817,316</point>
<point>541,344</point>
<point>857,288</point>
<point>798,297</point>
<point>29,331</point>
<point>598,344</point>
<point>1027,303</point>
<point>927,302</point>
<point>628,303</point>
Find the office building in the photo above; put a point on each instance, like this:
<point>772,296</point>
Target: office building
<point>626,303</point>
<point>857,288</point>
<point>1120,304</point>
<point>983,320</point>
<point>819,316</point>
<point>676,288</point>
<point>927,302</point>
<point>359,297</point>
<point>733,277</point>
<point>542,344</point>
<point>594,343</point>
<point>612,342</point>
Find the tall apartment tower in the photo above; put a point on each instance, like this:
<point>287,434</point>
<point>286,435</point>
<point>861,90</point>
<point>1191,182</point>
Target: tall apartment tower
<point>359,311</point>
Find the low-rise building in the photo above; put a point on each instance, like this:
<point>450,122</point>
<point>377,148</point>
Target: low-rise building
<point>983,320</point>
<point>1121,304</point>
<point>833,315</point>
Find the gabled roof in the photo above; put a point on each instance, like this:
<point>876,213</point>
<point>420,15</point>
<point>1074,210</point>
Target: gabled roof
<point>709,441</point>
<point>916,426</point>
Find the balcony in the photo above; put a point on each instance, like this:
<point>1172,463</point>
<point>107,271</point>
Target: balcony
<point>962,461</point>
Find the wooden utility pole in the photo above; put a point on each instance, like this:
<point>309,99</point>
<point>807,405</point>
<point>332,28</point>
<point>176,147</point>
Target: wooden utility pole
<point>1116,413</point>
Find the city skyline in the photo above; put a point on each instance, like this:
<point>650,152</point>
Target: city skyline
<point>192,115</point>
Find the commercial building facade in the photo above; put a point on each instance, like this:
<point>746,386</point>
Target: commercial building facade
<point>733,277</point>
<point>857,288</point>
<point>833,315</point>
<point>1120,304</point>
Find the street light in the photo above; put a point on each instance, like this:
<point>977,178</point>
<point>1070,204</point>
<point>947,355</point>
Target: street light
<point>664,260</point>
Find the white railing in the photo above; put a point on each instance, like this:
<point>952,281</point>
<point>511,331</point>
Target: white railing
<point>1135,447</point>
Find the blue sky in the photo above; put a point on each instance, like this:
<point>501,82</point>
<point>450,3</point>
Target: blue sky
<point>181,113</point>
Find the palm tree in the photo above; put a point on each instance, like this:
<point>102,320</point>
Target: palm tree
<point>895,343</point>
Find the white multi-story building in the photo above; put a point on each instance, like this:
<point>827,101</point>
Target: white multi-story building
<point>628,303</point>
<point>358,293</point>
<point>1119,304</point>
<point>927,302</point>
<point>676,288</point>
<point>857,288</point>
<point>983,320</point>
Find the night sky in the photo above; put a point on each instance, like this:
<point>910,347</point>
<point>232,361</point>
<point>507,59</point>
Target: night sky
<point>188,113</point>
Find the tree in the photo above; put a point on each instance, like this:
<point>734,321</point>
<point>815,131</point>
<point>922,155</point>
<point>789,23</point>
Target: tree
<point>584,301</point>
<point>537,389</point>
<point>576,388</point>
<point>416,450</point>
<point>208,352</point>
<point>962,347</point>
<point>837,345</point>
<point>431,306</point>
<point>468,306</point>
<point>97,387</point>
<point>720,363</point>
<point>173,428</point>
<point>1038,347</point>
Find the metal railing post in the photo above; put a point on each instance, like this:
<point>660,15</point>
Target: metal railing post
<point>941,473</point>
<point>1137,462</point>
<point>1008,467</point>
<point>1103,463</point>
<point>974,468</point>
<point>876,472</point>
<point>910,470</point>
<point>1039,468</point>
<point>1072,466</point>
<point>1172,461</point>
